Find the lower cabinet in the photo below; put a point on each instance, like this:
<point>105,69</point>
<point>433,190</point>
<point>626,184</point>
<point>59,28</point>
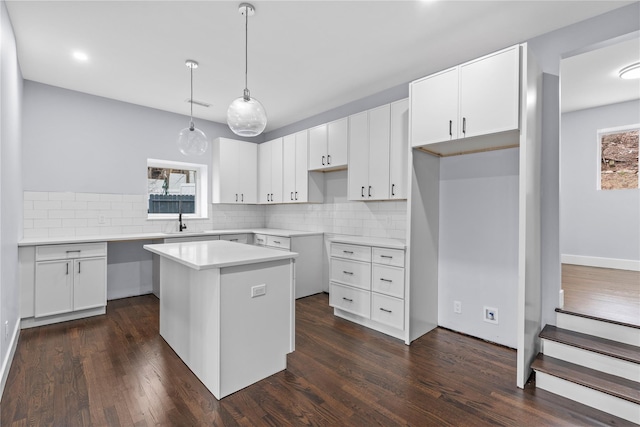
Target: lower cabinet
<point>367,286</point>
<point>69,282</point>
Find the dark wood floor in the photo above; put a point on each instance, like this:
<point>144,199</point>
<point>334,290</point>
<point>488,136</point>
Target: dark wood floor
<point>602,292</point>
<point>115,370</point>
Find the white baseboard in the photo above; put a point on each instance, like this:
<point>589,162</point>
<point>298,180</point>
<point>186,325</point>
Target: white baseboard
<point>6,363</point>
<point>590,261</point>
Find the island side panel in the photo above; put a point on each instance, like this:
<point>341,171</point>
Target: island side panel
<point>190,318</point>
<point>255,331</point>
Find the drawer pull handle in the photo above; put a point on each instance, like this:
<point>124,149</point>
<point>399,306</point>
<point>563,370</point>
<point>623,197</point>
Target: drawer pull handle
<point>67,269</point>
<point>386,256</point>
<point>233,240</point>
<point>386,280</point>
<point>276,242</point>
<point>347,299</point>
<point>347,272</point>
<point>77,250</point>
<point>79,267</point>
<point>385,310</point>
<point>348,252</point>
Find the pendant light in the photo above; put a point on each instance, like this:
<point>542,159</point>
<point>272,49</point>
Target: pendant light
<point>246,115</point>
<point>191,140</point>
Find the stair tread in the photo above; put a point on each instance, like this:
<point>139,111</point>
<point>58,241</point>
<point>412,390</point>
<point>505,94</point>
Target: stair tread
<point>616,386</point>
<point>628,352</point>
<point>601,319</point>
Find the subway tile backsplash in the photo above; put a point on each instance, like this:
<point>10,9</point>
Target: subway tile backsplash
<point>66,214</point>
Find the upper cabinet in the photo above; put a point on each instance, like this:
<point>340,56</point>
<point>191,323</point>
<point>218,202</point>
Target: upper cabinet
<point>270,171</point>
<point>328,146</point>
<point>234,176</point>
<point>299,185</point>
<point>378,154</point>
<point>453,110</point>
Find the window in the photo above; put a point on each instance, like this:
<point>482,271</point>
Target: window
<point>618,158</point>
<point>175,187</point>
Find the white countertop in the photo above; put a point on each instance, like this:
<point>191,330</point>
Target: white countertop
<point>157,236</point>
<point>371,241</point>
<point>217,253</point>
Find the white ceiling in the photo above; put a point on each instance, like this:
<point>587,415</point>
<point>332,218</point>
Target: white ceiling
<point>592,79</point>
<point>305,57</point>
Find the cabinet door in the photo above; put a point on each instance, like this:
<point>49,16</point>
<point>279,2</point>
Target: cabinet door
<point>225,171</point>
<point>337,143</point>
<point>247,171</point>
<point>289,168</point>
<point>301,192</point>
<point>489,93</point>
<point>264,172</point>
<point>318,147</point>
<point>358,170</point>
<point>434,108</point>
<point>276,170</point>
<point>399,149</point>
<point>379,153</point>
<point>54,288</point>
<point>89,283</point>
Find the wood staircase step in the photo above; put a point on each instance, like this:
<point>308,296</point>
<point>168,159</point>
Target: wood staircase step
<point>618,350</point>
<point>596,380</point>
<point>601,319</point>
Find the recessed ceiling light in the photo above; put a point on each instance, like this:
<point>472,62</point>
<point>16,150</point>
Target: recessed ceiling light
<point>631,71</point>
<point>80,56</point>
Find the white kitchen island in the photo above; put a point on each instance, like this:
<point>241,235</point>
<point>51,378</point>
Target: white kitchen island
<point>227,310</point>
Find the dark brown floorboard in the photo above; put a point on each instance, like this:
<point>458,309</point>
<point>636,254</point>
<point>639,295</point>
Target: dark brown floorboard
<point>115,370</point>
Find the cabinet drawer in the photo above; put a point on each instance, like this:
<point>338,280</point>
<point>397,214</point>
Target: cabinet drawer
<point>387,280</point>
<point>355,252</point>
<point>387,310</point>
<point>385,256</point>
<point>239,238</point>
<point>352,273</point>
<point>279,242</point>
<point>259,239</point>
<point>349,299</point>
<point>76,250</point>
<point>190,239</point>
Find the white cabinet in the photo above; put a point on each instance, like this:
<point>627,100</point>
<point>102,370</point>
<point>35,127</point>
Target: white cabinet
<point>310,250</point>
<point>234,176</point>
<point>328,146</point>
<point>270,169</point>
<point>238,238</point>
<point>477,98</point>
<point>398,149</point>
<point>367,286</point>
<point>69,278</point>
<point>378,153</point>
<point>299,185</point>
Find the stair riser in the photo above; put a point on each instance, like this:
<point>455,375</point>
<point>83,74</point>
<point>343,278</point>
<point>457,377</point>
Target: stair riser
<point>587,396</point>
<point>599,362</point>
<point>610,331</point>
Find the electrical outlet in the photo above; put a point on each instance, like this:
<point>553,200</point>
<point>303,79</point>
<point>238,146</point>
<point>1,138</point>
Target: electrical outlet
<point>101,219</point>
<point>490,315</point>
<point>457,307</point>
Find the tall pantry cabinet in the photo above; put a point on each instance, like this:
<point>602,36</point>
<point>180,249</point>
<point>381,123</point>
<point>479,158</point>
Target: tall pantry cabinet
<point>489,103</point>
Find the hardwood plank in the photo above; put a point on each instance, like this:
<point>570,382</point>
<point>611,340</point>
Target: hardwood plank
<point>630,353</point>
<point>597,380</point>
<point>602,292</point>
<point>116,370</point>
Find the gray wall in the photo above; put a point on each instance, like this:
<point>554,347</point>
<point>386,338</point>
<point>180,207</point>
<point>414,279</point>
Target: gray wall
<point>10,189</point>
<point>596,223</point>
<point>84,143</point>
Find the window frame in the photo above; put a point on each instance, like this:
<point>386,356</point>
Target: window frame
<point>202,189</point>
<point>607,131</point>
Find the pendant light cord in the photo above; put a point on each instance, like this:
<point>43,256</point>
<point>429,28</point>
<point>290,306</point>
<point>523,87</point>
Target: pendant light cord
<point>191,126</point>
<point>246,54</point>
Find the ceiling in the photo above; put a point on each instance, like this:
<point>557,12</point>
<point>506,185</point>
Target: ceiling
<point>305,57</point>
<point>592,79</point>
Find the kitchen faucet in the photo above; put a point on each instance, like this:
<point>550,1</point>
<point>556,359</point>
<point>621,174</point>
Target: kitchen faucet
<point>182,226</point>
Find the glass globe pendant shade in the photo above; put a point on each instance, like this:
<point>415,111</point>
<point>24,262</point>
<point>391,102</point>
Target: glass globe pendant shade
<point>246,117</point>
<point>192,141</point>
